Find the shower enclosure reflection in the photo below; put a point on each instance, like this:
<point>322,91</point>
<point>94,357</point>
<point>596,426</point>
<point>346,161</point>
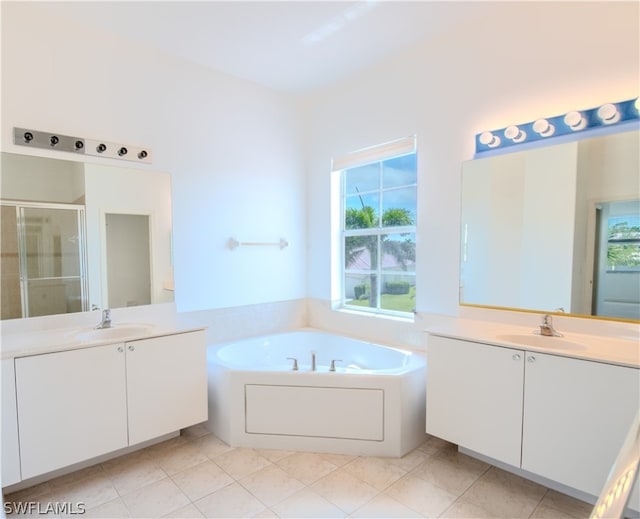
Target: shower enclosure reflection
<point>78,236</point>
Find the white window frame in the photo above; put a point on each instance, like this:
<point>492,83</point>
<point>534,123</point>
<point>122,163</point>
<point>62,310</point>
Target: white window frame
<point>401,147</point>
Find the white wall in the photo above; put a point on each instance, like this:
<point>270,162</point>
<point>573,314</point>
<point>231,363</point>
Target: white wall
<point>233,148</point>
<point>237,152</point>
<point>521,62</point>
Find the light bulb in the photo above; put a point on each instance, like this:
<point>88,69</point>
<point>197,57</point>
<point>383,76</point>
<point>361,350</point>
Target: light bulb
<point>515,134</point>
<point>608,113</point>
<point>575,121</point>
<point>544,128</point>
<point>489,139</point>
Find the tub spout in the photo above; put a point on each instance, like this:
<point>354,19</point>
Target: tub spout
<point>295,363</point>
<point>313,361</point>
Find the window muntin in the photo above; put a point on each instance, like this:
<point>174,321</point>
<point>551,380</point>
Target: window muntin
<point>379,235</point>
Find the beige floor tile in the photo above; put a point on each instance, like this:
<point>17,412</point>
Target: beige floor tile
<point>384,506</point>
<point>271,484</point>
<point>156,499</point>
<point>504,494</point>
<point>239,463</point>
<point>273,455</point>
<point>566,504</point>
<point>30,493</point>
<point>195,431</point>
<point>432,445</point>
<point>410,460</point>
<point>306,503</point>
<point>230,501</point>
<point>127,477</point>
<point>267,513</point>
<point>377,472</point>
<point>125,460</point>
<point>211,446</point>
<point>188,512</point>
<point>307,467</point>
<point>451,471</point>
<point>337,459</point>
<point>180,457</point>
<point>202,479</point>
<point>463,510</point>
<point>545,512</point>
<point>114,509</point>
<point>93,491</point>
<point>344,490</point>
<point>78,475</point>
<point>421,496</point>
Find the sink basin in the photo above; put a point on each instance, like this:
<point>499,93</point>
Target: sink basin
<point>541,341</point>
<point>116,332</point>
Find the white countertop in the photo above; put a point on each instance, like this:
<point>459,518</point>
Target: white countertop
<point>38,342</point>
<point>623,350</point>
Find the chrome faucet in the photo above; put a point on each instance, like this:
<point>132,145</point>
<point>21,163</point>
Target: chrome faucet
<point>546,327</point>
<point>106,319</point>
<point>313,361</point>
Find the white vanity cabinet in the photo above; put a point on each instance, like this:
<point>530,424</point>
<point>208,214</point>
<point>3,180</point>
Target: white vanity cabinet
<point>10,454</point>
<point>166,384</point>
<point>78,404</point>
<point>474,396</point>
<point>557,417</point>
<point>72,406</point>
<point>576,416</point>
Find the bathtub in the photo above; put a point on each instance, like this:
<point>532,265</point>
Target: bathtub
<point>372,404</point>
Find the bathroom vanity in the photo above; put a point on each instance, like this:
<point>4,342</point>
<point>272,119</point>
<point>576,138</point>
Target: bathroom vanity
<point>69,396</point>
<point>556,410</point>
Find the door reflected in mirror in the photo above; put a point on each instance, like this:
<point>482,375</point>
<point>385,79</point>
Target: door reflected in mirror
<point>541,227</point>
<point>128,261</point>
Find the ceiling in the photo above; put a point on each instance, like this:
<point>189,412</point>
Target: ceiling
<point>292,46</point>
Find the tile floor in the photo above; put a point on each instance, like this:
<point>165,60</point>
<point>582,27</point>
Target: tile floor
<point>197,475</point>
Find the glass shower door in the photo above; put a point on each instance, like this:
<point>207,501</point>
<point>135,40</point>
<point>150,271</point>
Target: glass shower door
<point>51,252</point>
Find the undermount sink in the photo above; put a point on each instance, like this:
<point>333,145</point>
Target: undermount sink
<point>117,331</point>
<point>541,341</point>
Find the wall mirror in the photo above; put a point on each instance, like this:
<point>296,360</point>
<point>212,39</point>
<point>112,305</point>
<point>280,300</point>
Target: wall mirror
<point>79,236</point>
<point>554,229</point>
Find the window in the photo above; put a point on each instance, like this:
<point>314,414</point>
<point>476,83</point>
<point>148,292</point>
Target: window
<point>623,243</point>
<point>378,238</point>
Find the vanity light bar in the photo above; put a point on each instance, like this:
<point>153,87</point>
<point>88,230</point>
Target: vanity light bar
<point>576,121</point>
<point>58,142</point>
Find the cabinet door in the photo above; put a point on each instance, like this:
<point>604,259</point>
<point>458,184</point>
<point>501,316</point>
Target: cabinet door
<point>71,407</point>
<point>474,396</point>
<point>166,384</point>
<point>10,446</point>
<point>576,416</point>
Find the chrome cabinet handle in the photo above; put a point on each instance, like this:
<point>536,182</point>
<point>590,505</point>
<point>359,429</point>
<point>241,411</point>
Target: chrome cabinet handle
<point>516,356</point>
<point>120,349</point>
<point>131,347</point>
<point>531,358</point>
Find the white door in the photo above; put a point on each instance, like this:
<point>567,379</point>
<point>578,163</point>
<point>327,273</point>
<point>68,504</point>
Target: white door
<point>166,384</point>
<point>617,271</point>
<point>71,407</point>
<point>576,416</point>
<point>474,396</point>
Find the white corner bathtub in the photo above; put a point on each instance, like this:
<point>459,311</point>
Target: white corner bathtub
<point>372,404</point>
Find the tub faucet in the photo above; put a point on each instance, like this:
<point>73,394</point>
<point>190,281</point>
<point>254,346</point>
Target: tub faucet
<point>546,327</point>
<point>313,361</point>
<point>106,319</point>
